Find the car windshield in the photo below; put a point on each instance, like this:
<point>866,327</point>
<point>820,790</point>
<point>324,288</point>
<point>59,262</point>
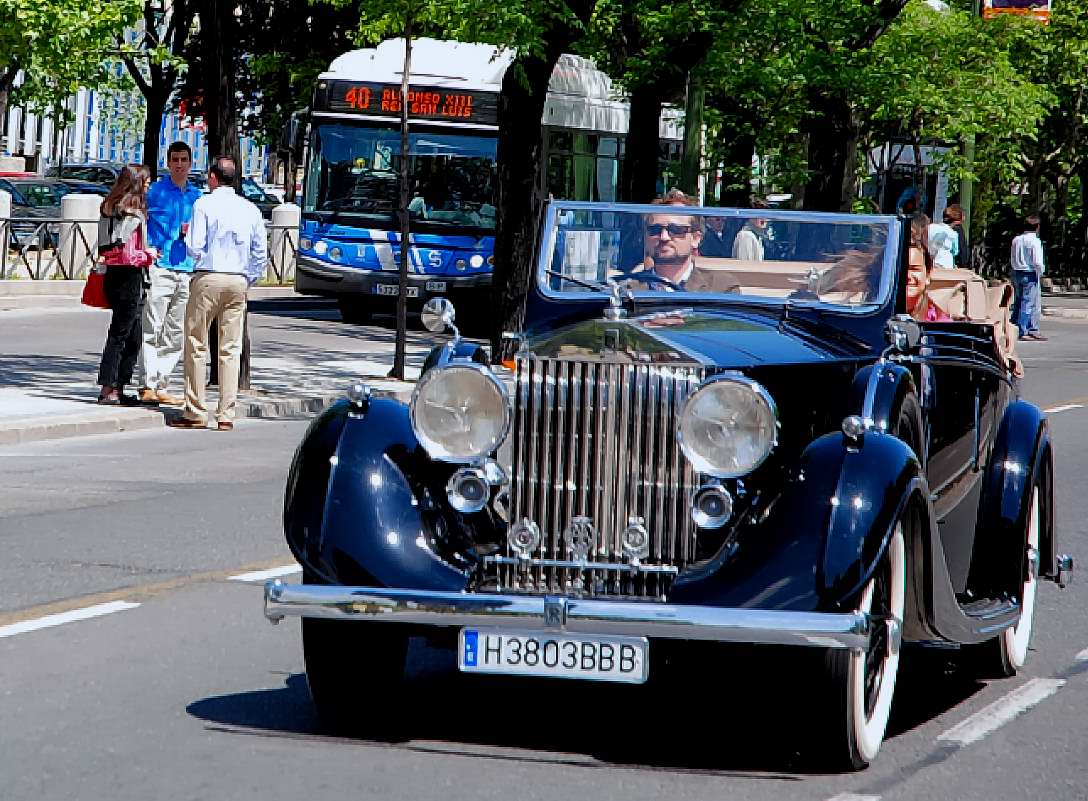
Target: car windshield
<point>356,169</point>
<point>763,254</point>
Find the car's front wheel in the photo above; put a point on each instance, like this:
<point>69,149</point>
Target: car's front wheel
<point>862,683</point>
<point>355,672</point>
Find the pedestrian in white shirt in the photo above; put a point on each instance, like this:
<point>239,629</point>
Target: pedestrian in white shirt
<point>944,245</point>
<point>1027,267</point>
<point>227,242</point>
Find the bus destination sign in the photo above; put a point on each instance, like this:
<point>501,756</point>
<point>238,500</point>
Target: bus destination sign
<point>426,103</point>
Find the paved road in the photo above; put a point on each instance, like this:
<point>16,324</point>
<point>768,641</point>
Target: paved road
<point>191,695</point>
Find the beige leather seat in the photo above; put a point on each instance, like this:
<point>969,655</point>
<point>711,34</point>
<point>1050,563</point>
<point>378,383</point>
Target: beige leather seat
<point>965,295</point>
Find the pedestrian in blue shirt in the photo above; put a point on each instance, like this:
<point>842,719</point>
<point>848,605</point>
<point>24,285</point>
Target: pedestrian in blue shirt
<point>169,209</point>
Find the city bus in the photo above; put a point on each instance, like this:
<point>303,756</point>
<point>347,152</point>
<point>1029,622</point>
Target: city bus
<point>349,242</point>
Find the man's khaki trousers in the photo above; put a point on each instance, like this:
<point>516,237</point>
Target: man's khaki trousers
<point>211,296</point>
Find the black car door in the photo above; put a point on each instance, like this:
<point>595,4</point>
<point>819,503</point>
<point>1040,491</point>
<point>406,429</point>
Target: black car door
<point>958,400</point>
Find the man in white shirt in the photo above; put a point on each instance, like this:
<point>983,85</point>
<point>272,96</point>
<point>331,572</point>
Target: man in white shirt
<point>1027,266</point>
<point>227,242</point>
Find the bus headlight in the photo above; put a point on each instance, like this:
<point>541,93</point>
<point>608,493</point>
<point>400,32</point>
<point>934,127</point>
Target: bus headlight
<point>727,427</point>
<point>305,243</point>
<point>476,261</point>
<point>460,413</point>
<point>321,247</point>
<point>336,254</point>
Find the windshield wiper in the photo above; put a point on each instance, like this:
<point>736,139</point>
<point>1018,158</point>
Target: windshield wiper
<point>597,285</point>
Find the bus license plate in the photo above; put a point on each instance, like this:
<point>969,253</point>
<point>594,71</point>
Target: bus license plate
<point>564,656</point>
<point>436,286</point>
<point>394,290</point>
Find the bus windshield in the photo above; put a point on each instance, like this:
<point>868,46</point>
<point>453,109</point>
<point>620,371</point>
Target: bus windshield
<point>355,169</point>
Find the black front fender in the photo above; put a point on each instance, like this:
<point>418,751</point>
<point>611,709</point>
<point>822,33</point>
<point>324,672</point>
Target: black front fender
<point>351,515</point>
<point>814,545</point>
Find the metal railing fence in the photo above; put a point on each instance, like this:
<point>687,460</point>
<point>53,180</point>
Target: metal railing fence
<point>43,248</point>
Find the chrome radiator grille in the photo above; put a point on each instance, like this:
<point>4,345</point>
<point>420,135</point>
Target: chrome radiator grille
<point>597,442</point>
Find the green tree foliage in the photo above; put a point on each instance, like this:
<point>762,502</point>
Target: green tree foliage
<point>59,46</point>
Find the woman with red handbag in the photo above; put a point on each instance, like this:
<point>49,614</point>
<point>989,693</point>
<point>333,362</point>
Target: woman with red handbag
<point>122,247</point>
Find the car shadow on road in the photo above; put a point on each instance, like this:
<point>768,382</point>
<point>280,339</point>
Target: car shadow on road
<point>751,717</point>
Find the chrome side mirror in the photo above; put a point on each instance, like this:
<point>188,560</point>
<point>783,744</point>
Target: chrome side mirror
<point>438,315</point>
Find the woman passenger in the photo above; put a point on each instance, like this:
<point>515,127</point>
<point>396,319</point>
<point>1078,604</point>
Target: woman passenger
<point>122,246</point>
<point>919,268</point>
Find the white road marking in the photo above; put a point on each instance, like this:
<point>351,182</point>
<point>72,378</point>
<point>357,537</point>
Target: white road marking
<point>1065,408</point>
<point>264,575</point>
<point>1001,711</point>
<point>65,617</point>
<point>1082,656</point>
<point>854,797</point>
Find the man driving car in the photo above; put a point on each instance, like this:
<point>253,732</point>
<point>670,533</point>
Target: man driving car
<point>671,240</point>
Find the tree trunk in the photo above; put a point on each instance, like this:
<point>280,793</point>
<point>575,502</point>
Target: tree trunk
<point>520,191</point>
<point>219,103</point>
<point>736,151</point>
<point>638,176</point>
<point>7,81</point>
<point>155,102</point>
<point>832,146</point>
<point>691,162</point>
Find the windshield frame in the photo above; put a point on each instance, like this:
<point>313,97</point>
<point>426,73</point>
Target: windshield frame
<point>371,220</point>
<point>885,293</point>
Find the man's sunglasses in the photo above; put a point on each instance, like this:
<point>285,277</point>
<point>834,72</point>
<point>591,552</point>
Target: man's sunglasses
<point>672,228</point>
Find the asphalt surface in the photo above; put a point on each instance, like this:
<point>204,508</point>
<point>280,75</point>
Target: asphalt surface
<point>192,695</point>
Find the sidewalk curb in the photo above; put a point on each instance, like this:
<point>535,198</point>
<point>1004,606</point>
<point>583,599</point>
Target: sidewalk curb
<point>36,429</point>
<point>1069,314</point>
<point>113,420</point>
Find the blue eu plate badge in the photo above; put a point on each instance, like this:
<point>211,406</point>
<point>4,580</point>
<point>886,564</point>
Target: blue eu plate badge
<point>471,640</point>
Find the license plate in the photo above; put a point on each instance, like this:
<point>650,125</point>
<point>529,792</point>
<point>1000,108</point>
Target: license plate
<point>436,286</point>
<point>564,656</point>
<point>394,290</point>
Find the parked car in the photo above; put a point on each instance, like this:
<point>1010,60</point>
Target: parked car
<point>251,190</point>
<point>95,172</point>
<point>34,202</point>
<point>760,452</point>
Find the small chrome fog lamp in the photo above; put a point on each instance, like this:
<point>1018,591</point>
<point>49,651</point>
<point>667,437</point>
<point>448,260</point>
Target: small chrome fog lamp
<point>712,506</point>
<point>636,539</point>
<point>524,538</point>
<point>468,490</point>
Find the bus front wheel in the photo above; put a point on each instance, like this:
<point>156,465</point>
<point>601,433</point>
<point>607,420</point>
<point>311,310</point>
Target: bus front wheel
<point>356,311</point>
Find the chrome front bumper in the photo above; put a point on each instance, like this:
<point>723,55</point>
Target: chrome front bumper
<point>559,614</point>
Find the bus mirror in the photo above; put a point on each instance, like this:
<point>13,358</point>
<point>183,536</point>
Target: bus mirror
<point>293,135</point>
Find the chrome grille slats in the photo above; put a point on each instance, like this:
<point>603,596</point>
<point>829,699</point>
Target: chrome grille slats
<point>546,454</point>
<point>598,440</point>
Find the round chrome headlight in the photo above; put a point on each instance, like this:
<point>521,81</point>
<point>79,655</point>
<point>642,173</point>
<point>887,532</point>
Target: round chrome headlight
<point>727,427</point>
<point>460,412</point>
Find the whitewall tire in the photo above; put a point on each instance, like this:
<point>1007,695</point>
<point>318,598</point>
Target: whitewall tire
<point>863,682</point>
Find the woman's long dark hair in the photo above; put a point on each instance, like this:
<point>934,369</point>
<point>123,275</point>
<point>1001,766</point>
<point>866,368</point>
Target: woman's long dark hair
<point>128,193</point>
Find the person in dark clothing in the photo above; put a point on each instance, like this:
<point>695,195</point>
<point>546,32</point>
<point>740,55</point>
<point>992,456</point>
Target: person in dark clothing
<point>953,217</point>
<point>122,246</point>
<point>716,242</point>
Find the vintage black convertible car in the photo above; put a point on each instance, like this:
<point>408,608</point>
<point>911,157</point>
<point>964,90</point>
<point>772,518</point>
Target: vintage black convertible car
<point>759,448</point>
